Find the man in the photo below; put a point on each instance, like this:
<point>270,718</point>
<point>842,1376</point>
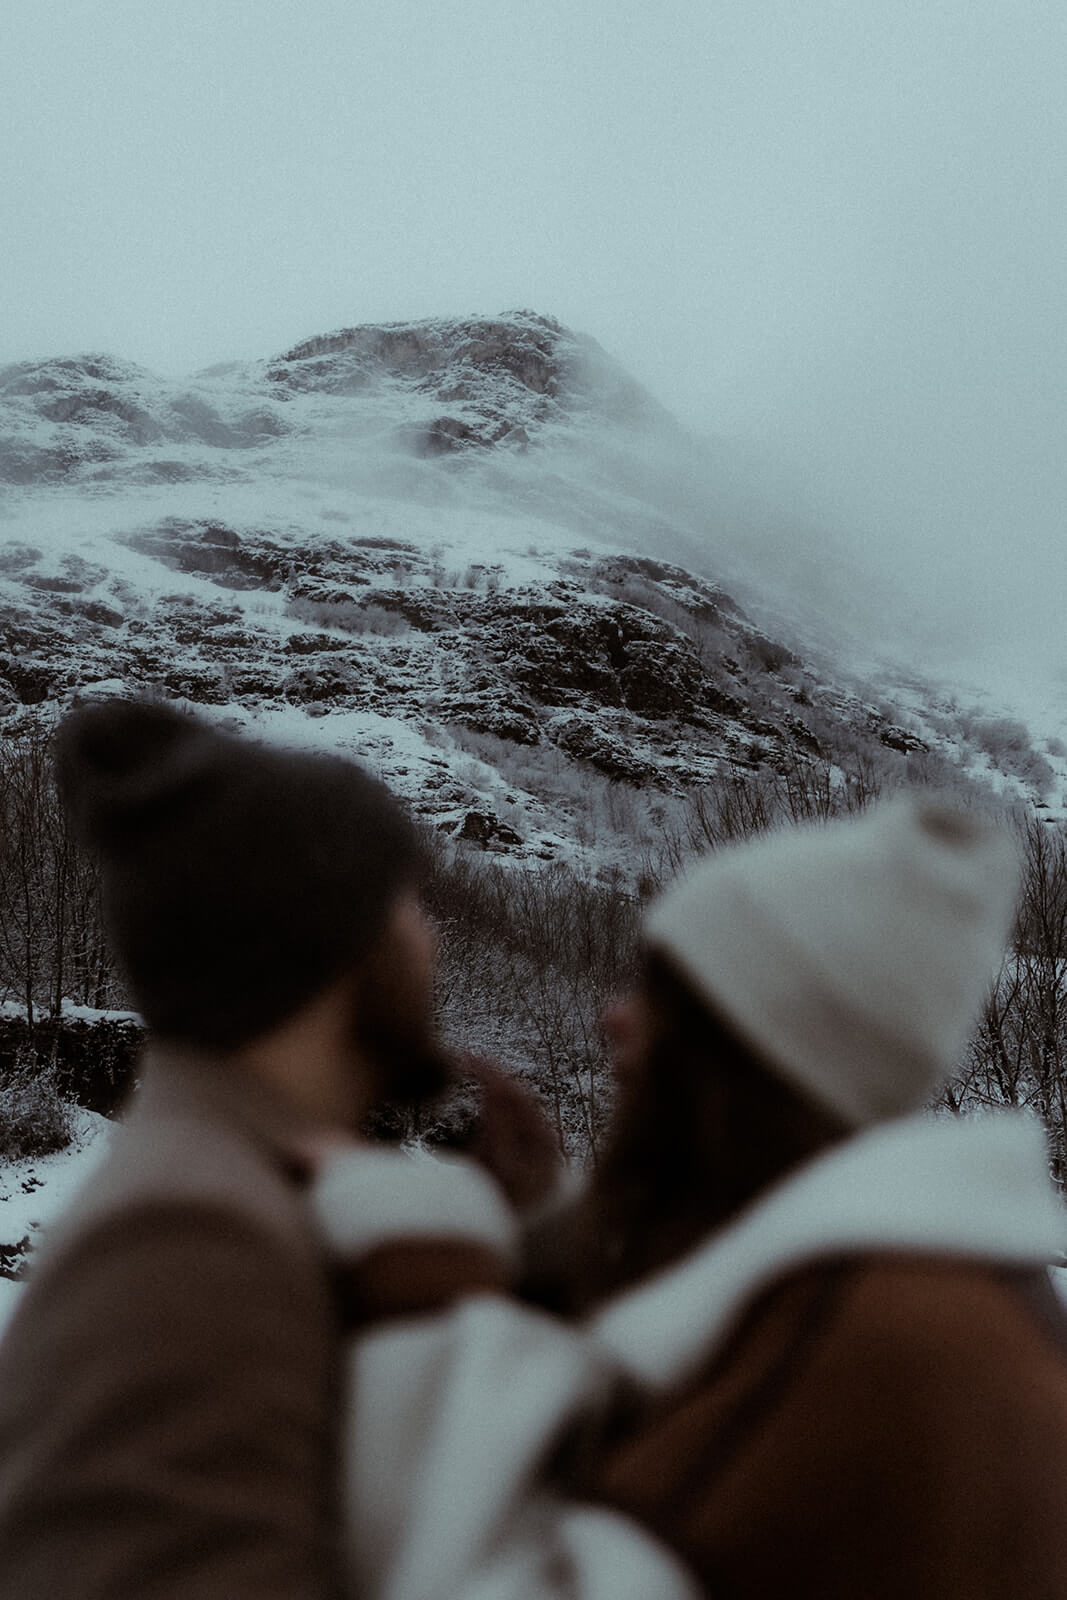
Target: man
<point>168,1384</point>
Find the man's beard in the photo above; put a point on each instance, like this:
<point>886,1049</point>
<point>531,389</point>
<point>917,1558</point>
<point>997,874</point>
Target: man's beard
<point>399,1038</point>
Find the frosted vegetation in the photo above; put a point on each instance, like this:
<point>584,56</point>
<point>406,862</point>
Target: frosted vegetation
<point>529,957</point>
<point>579,644</point>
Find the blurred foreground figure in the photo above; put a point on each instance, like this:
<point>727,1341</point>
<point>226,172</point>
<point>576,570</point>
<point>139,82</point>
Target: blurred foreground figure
<point>461,1403</point>
<point>839,1315</point>
<point>168,1387</point>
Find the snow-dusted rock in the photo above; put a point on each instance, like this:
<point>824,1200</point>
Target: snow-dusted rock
<point>417,541</point>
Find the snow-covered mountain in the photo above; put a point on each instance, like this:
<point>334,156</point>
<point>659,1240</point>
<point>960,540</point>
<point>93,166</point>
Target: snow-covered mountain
<point>476,553</point>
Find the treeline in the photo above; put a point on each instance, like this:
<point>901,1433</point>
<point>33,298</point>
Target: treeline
<point>529,958</point>
<point>1018,1056</point>
<point>52,945</point>
<point>528,961</point>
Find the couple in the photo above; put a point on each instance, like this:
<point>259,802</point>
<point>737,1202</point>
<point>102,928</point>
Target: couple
<point>793,1337</point>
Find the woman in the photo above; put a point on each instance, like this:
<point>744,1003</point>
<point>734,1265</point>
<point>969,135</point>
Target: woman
<point>854,1372</point>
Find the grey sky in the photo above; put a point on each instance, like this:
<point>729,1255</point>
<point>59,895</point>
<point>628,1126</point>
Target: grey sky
<point>833,227</point>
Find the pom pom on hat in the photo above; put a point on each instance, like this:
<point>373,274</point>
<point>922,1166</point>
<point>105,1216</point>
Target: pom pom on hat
<point>238,879</point>
<point>852,956</point>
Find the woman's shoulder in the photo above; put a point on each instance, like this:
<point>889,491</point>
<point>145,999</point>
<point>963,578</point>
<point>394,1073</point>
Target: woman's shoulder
<point>917,1315</point>
<point>845,1350</point>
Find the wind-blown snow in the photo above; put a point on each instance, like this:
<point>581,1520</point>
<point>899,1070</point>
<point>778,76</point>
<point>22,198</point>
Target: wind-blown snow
<point>498,451</point>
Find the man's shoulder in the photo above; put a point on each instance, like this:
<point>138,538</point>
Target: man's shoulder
<point>188,1155</point>
<point>177,1333</point>
<point>184,1212</point>
<point>180,1160</point>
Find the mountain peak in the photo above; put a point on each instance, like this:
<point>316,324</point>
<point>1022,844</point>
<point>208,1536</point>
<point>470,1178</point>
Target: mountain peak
<point>446,385</point>
<point>519,360</point>
<point>429,342</point>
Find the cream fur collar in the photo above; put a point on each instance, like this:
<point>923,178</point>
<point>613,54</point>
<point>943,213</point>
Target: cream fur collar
<point>972,1187</point>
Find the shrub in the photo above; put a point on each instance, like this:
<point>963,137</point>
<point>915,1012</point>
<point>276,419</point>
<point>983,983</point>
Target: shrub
<point>349,616</point>
<point>94,1057</point>
<point>34,1119</point>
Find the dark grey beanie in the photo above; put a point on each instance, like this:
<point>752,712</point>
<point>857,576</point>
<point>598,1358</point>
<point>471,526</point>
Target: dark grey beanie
<point>239,879</point>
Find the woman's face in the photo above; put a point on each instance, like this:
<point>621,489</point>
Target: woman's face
<point>627,1028</point>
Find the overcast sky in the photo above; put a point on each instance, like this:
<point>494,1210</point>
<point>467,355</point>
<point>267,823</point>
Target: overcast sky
<point>835,228</point>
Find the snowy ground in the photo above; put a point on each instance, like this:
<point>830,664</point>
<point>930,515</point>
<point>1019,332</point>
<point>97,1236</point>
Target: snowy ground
<point>33,1193</point>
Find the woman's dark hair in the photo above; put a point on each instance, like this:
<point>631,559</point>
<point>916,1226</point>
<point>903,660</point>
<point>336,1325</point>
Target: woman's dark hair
<point>700,1130</point>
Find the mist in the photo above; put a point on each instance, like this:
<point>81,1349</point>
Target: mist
<point>619,472</point>
<point>829,238</point>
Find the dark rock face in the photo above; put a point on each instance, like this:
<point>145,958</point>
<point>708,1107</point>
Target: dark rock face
<point>331,681</point>
<point>93,611</point>
<point>485,829</point>
<point>900,739</point>
<point>308,644</point>
<point>32,683</point>
<point>93,414</point>
<point>554,670</point>
<point>499,375</point>
<point>447,357</point>
<point>613,666</point>
<point>498,712</point>
<point>604,748</point>
<point>53,583</point>
<point>213,549</point>
<point>661,679</point>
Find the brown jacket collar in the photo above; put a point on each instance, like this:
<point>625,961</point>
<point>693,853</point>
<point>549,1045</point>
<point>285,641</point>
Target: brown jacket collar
<point>180,1082</point>
<point>974,1188</point>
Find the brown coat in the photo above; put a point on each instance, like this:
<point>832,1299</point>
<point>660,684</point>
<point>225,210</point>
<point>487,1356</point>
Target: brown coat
<point>167,1386</point>
<point>885,1427</point>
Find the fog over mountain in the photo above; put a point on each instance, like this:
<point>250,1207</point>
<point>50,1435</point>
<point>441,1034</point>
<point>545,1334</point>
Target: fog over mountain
<point>828,237</point>
<point>481,556</point>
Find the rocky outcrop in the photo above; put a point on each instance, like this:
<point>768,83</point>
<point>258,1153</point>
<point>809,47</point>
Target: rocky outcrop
<point>93,415</point>
<point>215,550</point>
<point>501,378</point>
<point>449,358</point>
<point>450,386</point>
<point>353,532</point>
<point>611,663</point>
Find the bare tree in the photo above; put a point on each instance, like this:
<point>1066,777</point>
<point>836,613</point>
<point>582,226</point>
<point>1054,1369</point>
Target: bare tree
<point>738,805</point>
<point>1018,1056</point>
<point>52,944</point>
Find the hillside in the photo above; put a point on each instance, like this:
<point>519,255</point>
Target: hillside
<point>409,541</point>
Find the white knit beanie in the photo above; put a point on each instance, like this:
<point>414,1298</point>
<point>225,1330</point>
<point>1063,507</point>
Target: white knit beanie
<point>852,955</point>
